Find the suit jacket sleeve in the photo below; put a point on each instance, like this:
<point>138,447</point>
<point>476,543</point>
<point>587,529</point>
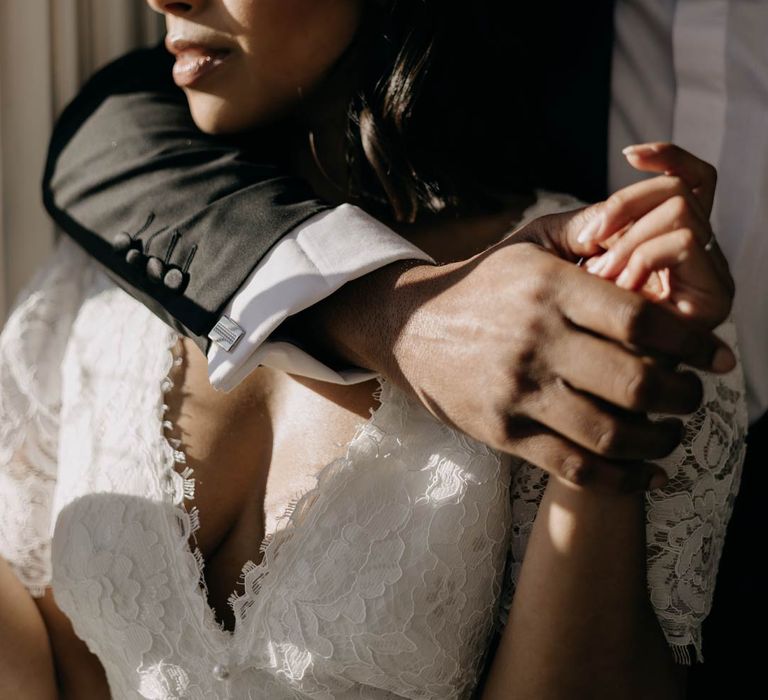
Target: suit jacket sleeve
<point>178,218</point>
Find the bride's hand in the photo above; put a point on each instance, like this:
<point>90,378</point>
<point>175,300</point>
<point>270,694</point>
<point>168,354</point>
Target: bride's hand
<point>657,231</point>
<point>655,236</point>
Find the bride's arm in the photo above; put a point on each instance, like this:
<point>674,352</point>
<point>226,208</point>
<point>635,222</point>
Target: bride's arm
<point>26,661</point>
<point>581,624</point>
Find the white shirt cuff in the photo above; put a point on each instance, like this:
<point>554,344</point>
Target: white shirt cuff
<point>302,268</point>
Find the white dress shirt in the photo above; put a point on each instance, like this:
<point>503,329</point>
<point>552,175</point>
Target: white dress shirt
<point>691,71</point>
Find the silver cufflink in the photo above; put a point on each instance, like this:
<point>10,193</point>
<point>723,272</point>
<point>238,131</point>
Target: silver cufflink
<point>226,334</point>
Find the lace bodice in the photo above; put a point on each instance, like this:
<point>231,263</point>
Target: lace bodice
<point>384,580</point>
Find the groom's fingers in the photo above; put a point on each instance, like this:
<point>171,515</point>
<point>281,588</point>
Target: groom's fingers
<point>601,307</point>
<point>617,375</point>
<point>603,429</point>
<point>540,446</point>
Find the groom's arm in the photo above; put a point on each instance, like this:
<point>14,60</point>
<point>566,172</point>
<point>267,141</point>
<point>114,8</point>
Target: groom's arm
<point>219,244</point>
<point>481,345</point>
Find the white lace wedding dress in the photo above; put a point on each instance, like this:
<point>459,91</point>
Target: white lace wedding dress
<point>385,580</point>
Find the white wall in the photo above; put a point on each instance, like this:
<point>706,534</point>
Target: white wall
<point>47,48</point>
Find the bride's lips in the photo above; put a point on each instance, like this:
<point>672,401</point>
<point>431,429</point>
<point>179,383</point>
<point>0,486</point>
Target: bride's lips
<point>194,60</point>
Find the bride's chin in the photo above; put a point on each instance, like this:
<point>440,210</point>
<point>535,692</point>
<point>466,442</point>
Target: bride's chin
<point>214,114</point>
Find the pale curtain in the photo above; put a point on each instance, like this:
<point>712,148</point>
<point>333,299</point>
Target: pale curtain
<point>47,49</point>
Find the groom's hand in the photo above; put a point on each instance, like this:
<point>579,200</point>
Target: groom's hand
<point>531,355</point>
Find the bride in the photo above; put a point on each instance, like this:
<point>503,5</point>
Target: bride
<point>295,539</point>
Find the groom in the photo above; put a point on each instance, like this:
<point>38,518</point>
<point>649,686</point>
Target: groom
<point>244,260</point>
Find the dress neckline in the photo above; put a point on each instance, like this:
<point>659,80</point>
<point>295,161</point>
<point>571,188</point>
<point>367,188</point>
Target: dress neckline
<point>180,489</point>
<point>253,575</point>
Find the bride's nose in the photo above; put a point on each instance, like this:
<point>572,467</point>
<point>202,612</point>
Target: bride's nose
<point>183,9</point>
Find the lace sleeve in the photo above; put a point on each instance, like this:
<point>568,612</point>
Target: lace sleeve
<point>31,348</point>
<point>685,521</point>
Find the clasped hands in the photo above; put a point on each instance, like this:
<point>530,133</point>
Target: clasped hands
<point>557,364</point>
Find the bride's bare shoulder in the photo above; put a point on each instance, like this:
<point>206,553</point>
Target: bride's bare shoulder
<point>37,643</point>
<point>79,672</point>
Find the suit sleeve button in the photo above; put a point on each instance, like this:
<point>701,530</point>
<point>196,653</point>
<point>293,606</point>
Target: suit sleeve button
<point>155,269</point>
<point>174,279</point>
<point>122,242</point>
<point>135,257</point>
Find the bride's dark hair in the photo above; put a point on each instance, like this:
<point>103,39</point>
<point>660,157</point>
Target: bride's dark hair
<point>437,123</point>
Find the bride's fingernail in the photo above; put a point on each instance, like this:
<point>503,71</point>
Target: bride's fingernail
<point>623,279</point>
<point>594,265</point>
<point>590,231</point>
<point>608,260</point>
<point>640,149</point>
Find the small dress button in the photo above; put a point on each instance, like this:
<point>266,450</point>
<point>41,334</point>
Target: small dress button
<point>135,257</point>
<point>174,279</point>
<point>155,269</point>
<point>122,242</point>
<point>221,672</point>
